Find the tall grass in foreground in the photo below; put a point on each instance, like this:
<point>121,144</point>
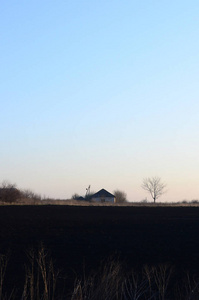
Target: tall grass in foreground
<point>41,278</point>
<point>109,282</point>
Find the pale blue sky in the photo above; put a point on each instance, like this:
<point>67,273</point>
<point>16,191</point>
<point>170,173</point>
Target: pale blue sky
<point>103,93</point>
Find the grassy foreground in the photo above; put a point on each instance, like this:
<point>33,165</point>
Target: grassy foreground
<point>99,252</point>
<point>110,281</point>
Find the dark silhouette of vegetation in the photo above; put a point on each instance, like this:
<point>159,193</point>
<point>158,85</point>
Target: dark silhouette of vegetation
<point>111,281</point>
<point>144,242</point>
<point>75,196</point>
<point>9,193</point>
<point>29,194</point>
<point>120,196</point>
<point>89,196</point>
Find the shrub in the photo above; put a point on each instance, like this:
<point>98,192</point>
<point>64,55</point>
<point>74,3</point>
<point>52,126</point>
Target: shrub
<point>9,195</point>
<point>120,196</point>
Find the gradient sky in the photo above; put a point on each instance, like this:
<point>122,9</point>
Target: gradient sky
<point>104,93</point>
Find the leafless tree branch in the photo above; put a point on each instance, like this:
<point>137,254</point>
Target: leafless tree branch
<point>154,186</point>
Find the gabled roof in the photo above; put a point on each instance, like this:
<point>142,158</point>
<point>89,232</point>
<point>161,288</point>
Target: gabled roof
<point>103,193</point>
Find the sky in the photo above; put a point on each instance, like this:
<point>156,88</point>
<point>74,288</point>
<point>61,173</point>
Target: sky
<point>100,93</point>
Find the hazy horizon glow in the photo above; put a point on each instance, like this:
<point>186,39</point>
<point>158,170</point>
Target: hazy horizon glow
<point>102,93</point>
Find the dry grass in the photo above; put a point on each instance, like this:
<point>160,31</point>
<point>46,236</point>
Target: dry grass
<point>109,282</point>
<point>71,202</point>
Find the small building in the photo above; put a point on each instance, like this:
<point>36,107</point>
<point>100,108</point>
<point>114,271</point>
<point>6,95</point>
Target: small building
<point>103,196</point>
<point>80,198</point>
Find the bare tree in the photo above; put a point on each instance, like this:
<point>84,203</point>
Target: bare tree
<point>29,194</point>
<point>9,192</point>
<point>154,186</point>
<point>120,196</point>
<point>7,185</point>
<point>75,196</point>
<point>88,197</point>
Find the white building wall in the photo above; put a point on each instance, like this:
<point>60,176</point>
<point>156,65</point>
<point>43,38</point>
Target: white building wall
<point>104,199</point>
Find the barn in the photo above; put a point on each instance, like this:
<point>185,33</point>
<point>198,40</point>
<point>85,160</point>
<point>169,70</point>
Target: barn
<point>103,196</point>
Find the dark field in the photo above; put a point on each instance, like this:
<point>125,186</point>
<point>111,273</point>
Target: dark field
<point>79,238</point>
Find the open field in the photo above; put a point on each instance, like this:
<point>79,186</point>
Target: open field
<point>79,238</point>
<point>72,202</point>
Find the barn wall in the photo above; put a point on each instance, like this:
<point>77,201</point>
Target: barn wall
<point>106,199</point>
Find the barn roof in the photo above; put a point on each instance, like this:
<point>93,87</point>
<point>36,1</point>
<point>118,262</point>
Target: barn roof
<point>103,193</point>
